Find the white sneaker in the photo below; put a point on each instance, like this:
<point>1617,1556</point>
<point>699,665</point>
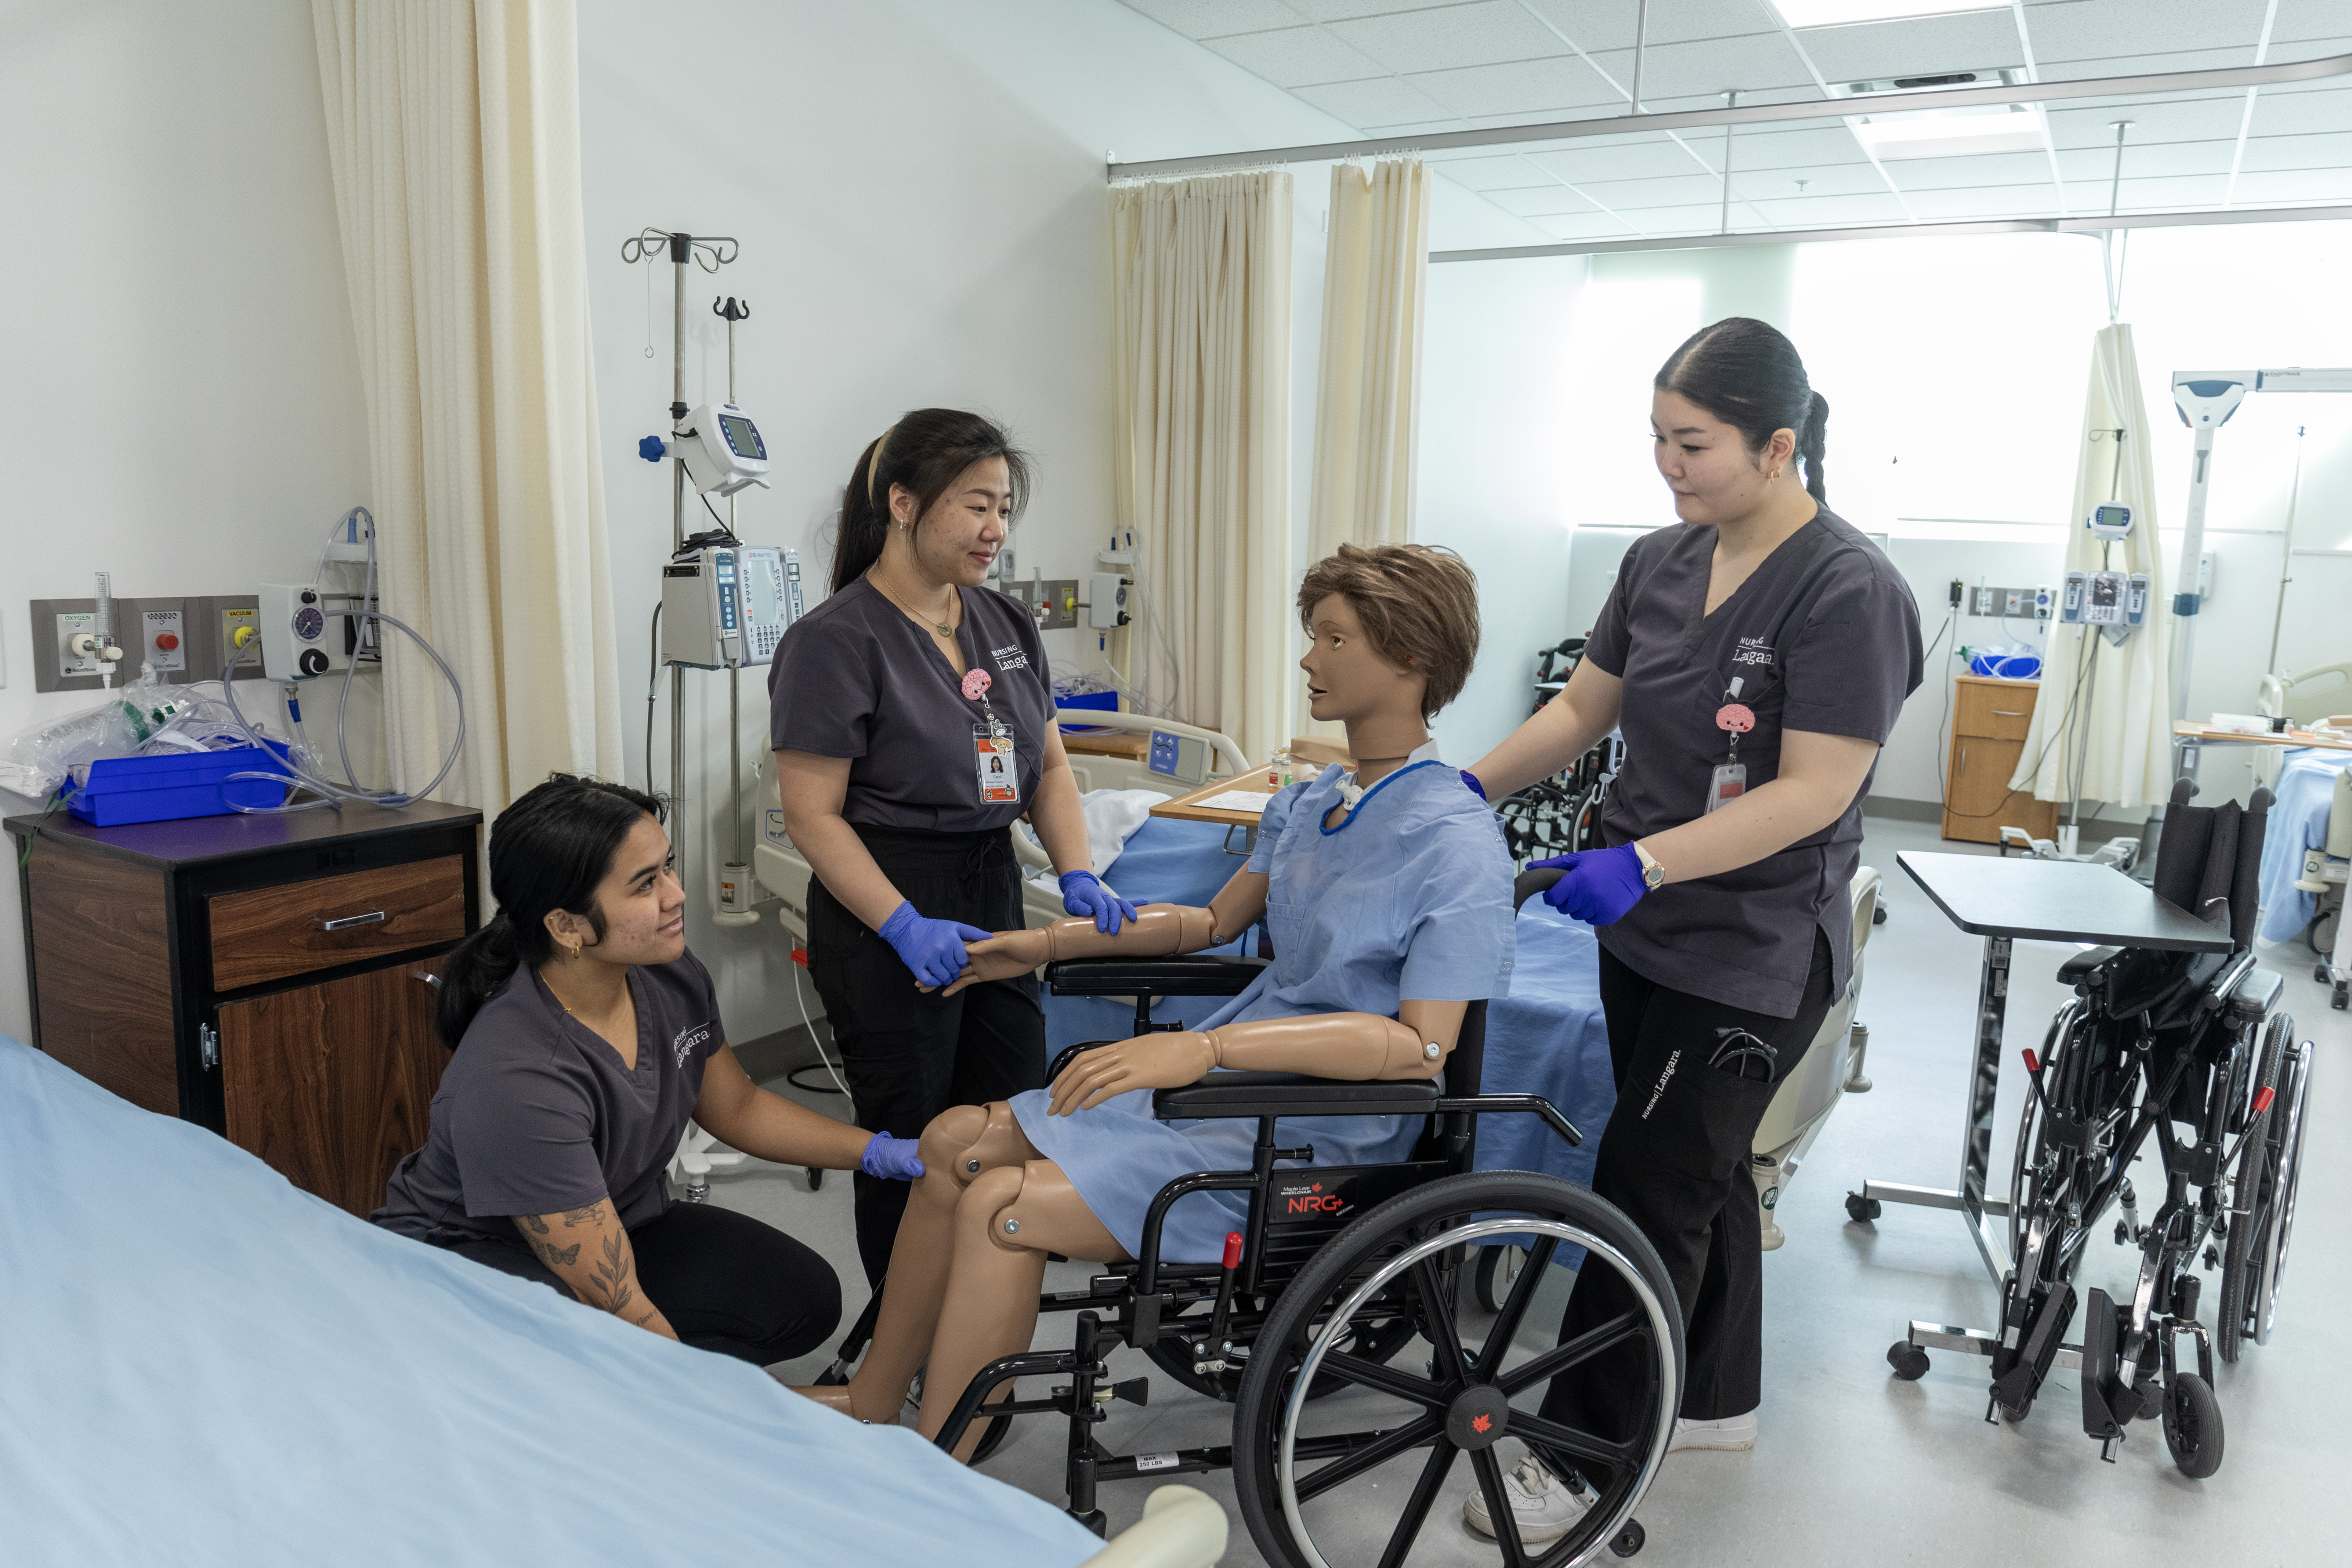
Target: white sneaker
<point>1542,1508</point>
<point>1733,1434</point>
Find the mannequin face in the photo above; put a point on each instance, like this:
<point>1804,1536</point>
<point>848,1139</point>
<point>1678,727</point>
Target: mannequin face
<point>1707,463</point>
<point>1349,680</point>
<point>643,904</point>
<point>957,540</point>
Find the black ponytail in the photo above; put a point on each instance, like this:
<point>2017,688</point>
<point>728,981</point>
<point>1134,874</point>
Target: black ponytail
<point>1747,374</point>
<point>924,453</point>
<point>548,850</point>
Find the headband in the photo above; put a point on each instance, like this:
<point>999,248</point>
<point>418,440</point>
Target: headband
<point>874,462</point>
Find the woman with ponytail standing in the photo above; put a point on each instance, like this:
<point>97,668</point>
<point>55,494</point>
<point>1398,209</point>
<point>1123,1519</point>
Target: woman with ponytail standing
<point>1755,658</point>
<point>585,1037</point>
<point>913,722</point>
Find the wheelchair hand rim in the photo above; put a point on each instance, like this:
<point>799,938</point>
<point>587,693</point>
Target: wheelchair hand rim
<point>1661,1331</point>
<point>2282,1214</point>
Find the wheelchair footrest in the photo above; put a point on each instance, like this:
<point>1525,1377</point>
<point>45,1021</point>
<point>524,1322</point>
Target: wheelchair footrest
<point>2108,1405</point>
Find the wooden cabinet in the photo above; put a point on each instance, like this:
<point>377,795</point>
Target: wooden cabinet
<point>1990,720</point>
<point>264,976</point>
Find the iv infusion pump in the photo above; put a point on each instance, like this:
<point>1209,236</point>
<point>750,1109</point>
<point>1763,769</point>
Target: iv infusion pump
<point>726,607</point>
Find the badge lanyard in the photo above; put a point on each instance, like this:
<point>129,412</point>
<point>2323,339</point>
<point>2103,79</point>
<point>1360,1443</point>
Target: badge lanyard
<point>1734,718</point>
<point>994,758</point>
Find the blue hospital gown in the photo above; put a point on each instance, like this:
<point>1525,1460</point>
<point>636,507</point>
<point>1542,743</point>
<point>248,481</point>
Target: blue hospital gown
<point>1411,896</point>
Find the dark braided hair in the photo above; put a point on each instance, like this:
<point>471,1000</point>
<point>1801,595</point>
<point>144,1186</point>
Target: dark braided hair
<point>1747,374</point>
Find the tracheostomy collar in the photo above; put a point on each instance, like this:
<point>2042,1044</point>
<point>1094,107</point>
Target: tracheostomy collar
<point>1351,792</point>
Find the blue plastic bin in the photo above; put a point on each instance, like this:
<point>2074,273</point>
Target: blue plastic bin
<point>1101,701</point>
<point>186,784</point>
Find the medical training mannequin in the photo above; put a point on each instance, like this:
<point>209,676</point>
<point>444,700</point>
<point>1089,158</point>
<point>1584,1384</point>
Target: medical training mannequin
<point>1409,915</point>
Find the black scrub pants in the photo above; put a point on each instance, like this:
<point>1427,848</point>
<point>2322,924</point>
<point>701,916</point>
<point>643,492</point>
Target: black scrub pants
<point>725,1281</point>
<point>1674,1157</point>
<point>908,1054</point>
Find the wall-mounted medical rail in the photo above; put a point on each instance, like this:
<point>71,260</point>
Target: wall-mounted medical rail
<point>2155,83</point>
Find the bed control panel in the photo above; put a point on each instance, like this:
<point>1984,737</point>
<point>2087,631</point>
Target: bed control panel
<point>1179,758</point>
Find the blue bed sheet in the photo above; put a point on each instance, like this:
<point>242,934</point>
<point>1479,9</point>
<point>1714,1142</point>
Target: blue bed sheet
<point>200,1364</point>
<point>2298,821</point>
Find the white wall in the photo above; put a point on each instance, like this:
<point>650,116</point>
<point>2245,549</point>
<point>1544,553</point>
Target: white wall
<point>181,404</point>
<point>918,190</point>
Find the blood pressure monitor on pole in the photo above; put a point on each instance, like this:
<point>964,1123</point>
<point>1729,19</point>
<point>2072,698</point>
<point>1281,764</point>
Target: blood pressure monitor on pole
<point>724,604</point>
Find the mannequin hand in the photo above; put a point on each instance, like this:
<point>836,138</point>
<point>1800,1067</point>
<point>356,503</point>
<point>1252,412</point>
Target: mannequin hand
<point>892,1159</point>
<point>1600,884</point>
<point>1148,1061</point>
<point>1084,894</point>
<point>934,950</point>
<point>1000,957</point>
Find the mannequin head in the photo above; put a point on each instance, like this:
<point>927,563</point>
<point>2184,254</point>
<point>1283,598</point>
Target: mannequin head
<point>1392,632</point>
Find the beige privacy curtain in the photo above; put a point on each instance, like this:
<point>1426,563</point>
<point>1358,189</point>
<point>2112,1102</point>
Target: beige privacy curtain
<point>454,131</point>
<point>1200,444</point>
<point>1368,394</point>
<point>2120,734</point>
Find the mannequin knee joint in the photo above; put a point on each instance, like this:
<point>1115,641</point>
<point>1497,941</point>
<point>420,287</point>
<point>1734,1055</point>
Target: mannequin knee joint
<point>988,1200</point>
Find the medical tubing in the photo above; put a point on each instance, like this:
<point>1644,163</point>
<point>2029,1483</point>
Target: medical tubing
<point>330,793</point>
<point>351,665</point>
<point>806,1023</point>
<point>653,688</point>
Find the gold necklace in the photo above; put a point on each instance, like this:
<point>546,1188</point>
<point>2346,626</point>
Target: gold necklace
<point>941,627</point>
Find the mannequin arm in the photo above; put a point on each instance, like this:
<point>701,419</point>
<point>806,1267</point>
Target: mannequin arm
<point>1353,1046</point>
<point>1158,930</point>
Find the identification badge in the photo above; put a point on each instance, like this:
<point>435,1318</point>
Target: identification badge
<point>1728,782</point>
<point>999,765</point>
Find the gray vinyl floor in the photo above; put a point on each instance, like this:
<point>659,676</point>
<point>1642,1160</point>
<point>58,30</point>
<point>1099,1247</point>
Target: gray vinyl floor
<point>1855,1467</point>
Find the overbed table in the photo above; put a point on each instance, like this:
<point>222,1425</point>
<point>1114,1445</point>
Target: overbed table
<point>2004,901</point>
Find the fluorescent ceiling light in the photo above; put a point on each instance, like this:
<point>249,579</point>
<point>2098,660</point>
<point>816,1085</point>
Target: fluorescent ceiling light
<point>1838,13</point>
<point>1952,132</point>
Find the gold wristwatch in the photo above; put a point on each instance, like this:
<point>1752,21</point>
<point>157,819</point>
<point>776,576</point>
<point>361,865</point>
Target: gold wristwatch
<point>1652,874</point>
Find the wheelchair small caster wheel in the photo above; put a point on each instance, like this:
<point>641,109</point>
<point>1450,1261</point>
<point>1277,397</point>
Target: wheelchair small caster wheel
<point>2192,1426</point>
<point>2340,998</point>
<point>2319,972</point>
<point>1909,1362</point>
<point>1629,1540</point>
<point>816,1177</point>
<point>1878,916</point>
<point>1862,1210</point>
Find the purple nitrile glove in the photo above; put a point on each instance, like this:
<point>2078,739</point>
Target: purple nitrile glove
<point>933,948</point>
<point>1600,884</point>
<point>892,1159</point>
<point>1084,894</point>
<point>1472,779</point>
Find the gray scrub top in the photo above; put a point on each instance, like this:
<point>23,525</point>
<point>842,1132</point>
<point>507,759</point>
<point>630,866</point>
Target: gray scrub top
<point>855,678</point>
<point>537,1112</point>
<point>1825,637</point>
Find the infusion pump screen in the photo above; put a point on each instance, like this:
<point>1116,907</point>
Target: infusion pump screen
<point>742,436</point>
<point>767,606</point>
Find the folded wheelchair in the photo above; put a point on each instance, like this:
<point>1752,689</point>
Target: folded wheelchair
<point>1341,1324</point>
<point>2190,1056</point>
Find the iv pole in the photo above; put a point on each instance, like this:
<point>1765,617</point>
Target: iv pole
<point>737,873</point>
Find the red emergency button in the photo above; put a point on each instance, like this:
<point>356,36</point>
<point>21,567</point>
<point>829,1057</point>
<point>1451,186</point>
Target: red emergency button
<point>167,641</point>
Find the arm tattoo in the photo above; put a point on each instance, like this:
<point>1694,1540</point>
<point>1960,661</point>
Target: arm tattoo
<point>612,1272</point>
<point>593,1215</point>
<point>556,1257</point>
<point>533,1222</point>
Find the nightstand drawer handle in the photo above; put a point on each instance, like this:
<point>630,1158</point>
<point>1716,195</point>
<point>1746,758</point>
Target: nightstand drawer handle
<point>2005,714</point>
<point>348,922</point>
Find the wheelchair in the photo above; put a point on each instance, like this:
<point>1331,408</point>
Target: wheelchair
<point>2192,1052</point>
<point>1341,1324</point>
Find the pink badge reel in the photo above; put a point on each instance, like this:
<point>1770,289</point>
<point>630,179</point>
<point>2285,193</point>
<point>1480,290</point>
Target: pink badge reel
<point>976,683</point>
<point>1735,718</point>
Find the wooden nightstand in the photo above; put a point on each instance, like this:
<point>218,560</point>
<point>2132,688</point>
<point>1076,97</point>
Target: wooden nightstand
<point>1990,719</point>
<point>263,976</point>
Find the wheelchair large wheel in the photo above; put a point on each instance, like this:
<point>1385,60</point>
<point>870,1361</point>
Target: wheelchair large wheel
<point>1375,1338</point>
<point>2248,1231</point>
<point>2256,1265</point>
<point>1310,1476</point>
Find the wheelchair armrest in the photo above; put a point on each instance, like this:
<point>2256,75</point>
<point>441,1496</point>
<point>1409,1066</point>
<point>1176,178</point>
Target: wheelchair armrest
<point>1256,1094</point>
<point>2256,995</point>
<point>1187,974</point>
<point>2077,969</point>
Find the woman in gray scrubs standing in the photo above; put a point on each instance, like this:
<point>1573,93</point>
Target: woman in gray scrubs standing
<point>913,722</point>
<point>1755,658</point>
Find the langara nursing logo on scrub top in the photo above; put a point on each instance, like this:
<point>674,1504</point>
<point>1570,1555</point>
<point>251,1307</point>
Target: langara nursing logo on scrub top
<point>1009,657</point>
<point>687,1038</point>
<point>1752,650</point>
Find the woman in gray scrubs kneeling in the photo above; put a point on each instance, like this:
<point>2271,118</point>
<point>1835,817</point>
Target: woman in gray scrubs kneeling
<point>585,1036</point>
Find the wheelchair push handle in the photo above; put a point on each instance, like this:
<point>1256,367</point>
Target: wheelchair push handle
<point>1527,884</point>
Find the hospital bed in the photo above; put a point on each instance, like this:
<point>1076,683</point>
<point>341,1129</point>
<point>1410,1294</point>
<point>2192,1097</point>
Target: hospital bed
<point>205,1366</point>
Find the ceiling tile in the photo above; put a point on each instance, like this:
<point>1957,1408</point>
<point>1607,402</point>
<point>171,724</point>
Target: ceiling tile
<point>2271,187</point>
<point>1563,83</point>
<point>1832,212</point>
<point>1589,226</point>
<point>1799,150</point>
<point>1984,169</point>
<point>2281,112</point>
<point>1296,57</point>
<point>1641,195</point>
<point>1609,24</point>
<point>2149,63</point>
<point>2158,158</point>
<point>2087,30</point>
<point>1488,33</point>
<point>1920,46</point>
<point>1821,180</point>
<point>1395,129</point>
<point>1654,157</point>
<point>2171,120</point>
<point>1384,102</point>
<point>2089,197</point>
<point>1346,10</point>
<point>1695,217</point>
<point>2305,21</point>
<point>1969,202</point>
<point>1708,67</point>
<point>2330,151</point>
<point>1479,169</point>
<point>1208,18</point>
<point>1540,200</point>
